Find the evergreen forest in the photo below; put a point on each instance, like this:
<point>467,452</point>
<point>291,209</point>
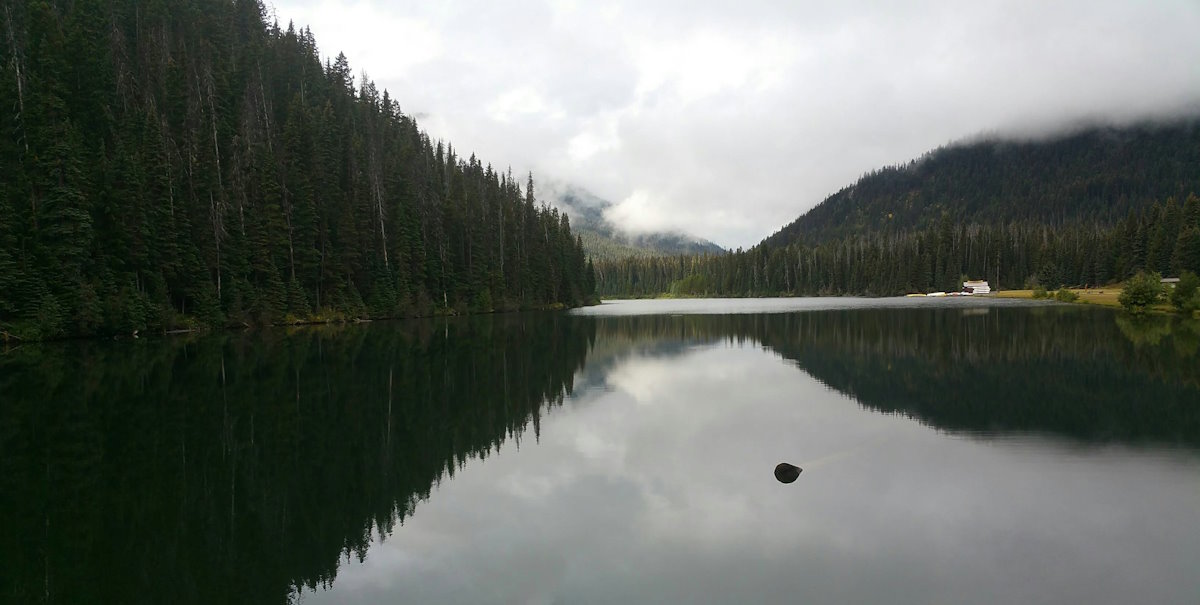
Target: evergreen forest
<point>1089,209</point>
<point>1093,175</point>
<point>184,163</point>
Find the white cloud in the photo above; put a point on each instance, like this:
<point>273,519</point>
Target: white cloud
<point>730,120</point>
<point>521,103</point>
<point>707,63</point>
<point>599,135</point>
<point>641,211</point>
<point>386,43</point>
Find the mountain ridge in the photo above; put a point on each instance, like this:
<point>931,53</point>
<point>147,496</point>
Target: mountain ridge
<point>602,239</point>
<point>1089,208</point>
<point>1094,173</point>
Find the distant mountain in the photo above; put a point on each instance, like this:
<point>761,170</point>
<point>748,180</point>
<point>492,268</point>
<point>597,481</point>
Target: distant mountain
<point>1088,208</point>
<point>1096,175</point>
<point>604,240</point>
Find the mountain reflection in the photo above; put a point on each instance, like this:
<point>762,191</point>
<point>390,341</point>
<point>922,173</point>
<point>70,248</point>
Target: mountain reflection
<point>239,469</point>
<point>246,467</point>
<point>1089,375</point>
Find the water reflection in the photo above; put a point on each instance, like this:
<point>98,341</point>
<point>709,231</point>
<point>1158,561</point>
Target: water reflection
<point>260,467</point>
<point>239,468</point>
<point>651,487</point>
<point>1091,375</point>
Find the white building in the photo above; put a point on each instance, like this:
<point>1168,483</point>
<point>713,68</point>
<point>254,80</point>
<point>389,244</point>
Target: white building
<point>977,287</point>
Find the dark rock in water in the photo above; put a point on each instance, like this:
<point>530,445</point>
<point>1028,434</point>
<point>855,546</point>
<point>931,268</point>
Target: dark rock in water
<point>787,473</point>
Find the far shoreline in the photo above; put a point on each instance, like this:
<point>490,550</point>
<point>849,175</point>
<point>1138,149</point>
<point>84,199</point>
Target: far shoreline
<point>1105,296</point>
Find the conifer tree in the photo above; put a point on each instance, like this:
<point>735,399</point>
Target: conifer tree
<point>181,163</point>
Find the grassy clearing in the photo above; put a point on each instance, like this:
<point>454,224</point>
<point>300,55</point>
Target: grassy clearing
<point>1104,297</point>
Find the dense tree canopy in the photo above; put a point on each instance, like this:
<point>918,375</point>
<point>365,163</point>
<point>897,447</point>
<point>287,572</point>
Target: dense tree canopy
<point>1161,238</point>
<point>181,162</point>
<point>1094,175</point>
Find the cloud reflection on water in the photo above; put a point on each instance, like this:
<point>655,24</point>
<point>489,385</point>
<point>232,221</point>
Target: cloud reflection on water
<point>658,487</point>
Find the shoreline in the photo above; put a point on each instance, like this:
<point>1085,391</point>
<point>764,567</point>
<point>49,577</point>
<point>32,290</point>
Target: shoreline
<point>7,337</point>
<point>1094,297</point>
<point>1106,296</point>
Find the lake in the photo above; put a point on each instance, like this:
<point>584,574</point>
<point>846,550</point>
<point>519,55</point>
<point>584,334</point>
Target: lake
<point>953,451</point>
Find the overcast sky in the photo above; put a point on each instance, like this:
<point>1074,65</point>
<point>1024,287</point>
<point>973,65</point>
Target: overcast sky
<point>730,119</point>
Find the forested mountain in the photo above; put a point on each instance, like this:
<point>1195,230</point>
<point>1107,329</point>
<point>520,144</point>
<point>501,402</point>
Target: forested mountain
<point>1094,175</point>
<point>1163,238</point>
<point>1085,210</point>
<point>184,162</point>
<point>604,240</point>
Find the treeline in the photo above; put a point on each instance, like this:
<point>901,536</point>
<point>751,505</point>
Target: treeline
<point>1163,237</point>
<point>236,469</point>
<point>1094,175</point>
<point>183,162</point>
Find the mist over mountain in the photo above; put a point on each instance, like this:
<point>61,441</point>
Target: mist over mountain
<point>1096,174</point>
<point>603,239</point>
<point>1090,207</point>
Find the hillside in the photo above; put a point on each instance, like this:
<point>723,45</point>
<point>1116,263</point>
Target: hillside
<point>182,164</point>
<point>1087,209</point>
<point>604,240</point>
<point>1097,175</point>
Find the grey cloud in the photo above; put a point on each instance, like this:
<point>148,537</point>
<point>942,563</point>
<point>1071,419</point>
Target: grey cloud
<point>730,120</point>
<point>659,488</point>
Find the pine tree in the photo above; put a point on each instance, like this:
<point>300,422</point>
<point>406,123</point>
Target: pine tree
<point>1187,251</point>
<point>179,160</point>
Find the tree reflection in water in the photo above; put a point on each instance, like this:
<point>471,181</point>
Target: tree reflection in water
<point>244,467</point>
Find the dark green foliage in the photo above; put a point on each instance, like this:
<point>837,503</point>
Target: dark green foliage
<point>1141,291</point>
<point>1187,250</point>
<point>1186,295</point>
<point>1093,175</point>
<point>1081,210</point>
<point>936,258</point>
<point>1065,295</point>
<point>1010,256</point>
<point>692,285</point>
<point>175,163</point>
<point>1039,292</point>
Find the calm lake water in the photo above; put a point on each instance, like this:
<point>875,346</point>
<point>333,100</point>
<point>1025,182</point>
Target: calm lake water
<point>954,451</point>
